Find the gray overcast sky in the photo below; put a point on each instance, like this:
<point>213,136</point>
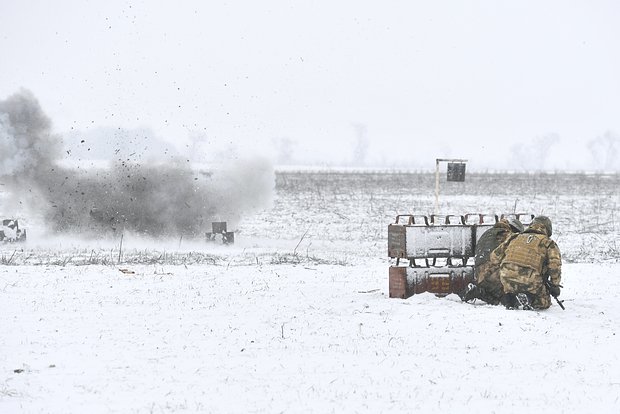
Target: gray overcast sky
<point>366,82</point>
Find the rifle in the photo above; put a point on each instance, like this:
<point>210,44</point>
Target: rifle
<point>548,286</point>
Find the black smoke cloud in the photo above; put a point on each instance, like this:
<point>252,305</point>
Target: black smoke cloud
<point>147,198</point>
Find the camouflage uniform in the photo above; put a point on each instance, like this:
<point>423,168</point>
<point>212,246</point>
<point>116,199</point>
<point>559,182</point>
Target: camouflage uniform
<point>489,285</point>
<point>525,261</point>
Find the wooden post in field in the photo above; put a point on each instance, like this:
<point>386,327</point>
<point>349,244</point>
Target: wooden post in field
<point>436,186</point>
<point>120,248</point>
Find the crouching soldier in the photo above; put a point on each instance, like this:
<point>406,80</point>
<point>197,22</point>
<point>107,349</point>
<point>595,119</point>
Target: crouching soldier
<point>488,287</point>
<point>529,267</point>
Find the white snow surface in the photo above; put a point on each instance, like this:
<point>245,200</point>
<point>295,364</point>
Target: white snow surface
<point>295,317</point>
<point>296,338</point>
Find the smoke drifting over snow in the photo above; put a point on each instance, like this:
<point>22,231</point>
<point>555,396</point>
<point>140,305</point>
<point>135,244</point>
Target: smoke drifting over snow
<point>152,199</point>
<point>26,143</point>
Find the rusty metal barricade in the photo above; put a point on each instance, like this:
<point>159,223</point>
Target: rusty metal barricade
<point>439,251</point>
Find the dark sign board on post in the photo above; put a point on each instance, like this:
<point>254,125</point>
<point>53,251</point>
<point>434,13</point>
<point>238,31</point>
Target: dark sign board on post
<point>456,171</point>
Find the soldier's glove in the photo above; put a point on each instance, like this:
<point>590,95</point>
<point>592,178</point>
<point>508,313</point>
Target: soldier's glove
<point>554,290</point>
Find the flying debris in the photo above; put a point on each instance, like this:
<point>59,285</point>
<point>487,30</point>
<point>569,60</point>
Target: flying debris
<point>153,198</point>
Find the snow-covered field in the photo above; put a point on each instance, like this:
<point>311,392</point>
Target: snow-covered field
<point>295,316</point>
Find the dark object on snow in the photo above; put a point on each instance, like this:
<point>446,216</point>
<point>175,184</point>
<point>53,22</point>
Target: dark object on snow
<point>219,232</point>
<point>456,171</point>
<point>514,301</point>
<point>11,233</point>
<point>555,292</point>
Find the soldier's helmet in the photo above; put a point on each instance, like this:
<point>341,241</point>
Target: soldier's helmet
<point>515,224</point>
<point>544,220</point>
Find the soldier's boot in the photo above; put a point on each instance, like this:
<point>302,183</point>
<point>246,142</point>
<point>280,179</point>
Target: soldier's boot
<point>470,293</point>
<point>509,300</point>
<point>524,301</point>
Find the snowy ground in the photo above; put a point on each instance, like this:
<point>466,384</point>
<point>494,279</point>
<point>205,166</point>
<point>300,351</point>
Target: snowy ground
<point>295,318</point>
<point>296,338</point>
